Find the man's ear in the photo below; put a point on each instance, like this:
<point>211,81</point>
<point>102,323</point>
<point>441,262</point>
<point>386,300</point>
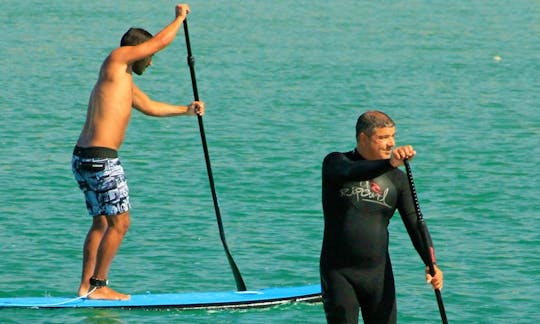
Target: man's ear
<point>361,138</point>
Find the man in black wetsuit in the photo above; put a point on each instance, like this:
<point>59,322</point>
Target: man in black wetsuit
<point>361,190</point>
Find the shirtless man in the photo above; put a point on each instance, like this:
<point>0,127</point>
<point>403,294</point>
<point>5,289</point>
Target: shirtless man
<point>95,162</point>
<point>361,190</point>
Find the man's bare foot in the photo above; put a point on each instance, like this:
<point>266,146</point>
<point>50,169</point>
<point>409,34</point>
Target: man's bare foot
<point>107,294</point>
<point>84,290</point>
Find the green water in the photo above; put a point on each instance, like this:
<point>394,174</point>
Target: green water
<point>284,82</point>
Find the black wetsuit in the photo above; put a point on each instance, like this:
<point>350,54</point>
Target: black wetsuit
<point>359,197</point>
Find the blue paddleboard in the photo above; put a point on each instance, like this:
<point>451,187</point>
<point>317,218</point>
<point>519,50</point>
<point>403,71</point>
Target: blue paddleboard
<point>193,300</point>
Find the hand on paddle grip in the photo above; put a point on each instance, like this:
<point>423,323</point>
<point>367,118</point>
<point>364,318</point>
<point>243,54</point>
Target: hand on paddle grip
<point>182,10</point>
<point>400,154</point>
<point>196,108</point>
<point>437,280</point>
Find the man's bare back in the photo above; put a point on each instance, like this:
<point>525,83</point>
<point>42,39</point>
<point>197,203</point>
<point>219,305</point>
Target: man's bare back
<point>109,107</point>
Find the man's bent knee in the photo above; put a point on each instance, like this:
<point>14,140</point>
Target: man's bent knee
<point>120,222</point>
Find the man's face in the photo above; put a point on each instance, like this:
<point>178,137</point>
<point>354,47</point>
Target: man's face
<point>379,145</point>
<point>140,66</point>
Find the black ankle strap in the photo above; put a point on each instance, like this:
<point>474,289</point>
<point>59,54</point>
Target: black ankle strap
<point>98,283</point>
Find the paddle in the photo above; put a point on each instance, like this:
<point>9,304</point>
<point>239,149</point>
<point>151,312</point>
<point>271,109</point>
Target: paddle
<point>424,233</point>
<point>240,285</point>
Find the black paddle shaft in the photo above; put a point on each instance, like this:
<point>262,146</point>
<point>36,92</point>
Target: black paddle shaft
<point>430,254</point>
<point>240,285</point>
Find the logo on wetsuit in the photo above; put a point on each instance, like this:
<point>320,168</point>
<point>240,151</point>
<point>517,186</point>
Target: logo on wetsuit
<point>368,191</point>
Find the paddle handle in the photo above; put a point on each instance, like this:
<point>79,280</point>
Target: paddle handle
<point>240,285</point>
<point>430,252</point>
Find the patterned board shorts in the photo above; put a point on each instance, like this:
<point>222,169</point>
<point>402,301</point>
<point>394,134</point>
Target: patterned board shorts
<point>103,182</point>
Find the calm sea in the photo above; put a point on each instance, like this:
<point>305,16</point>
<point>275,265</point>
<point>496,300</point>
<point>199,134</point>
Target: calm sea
<point>284,82</point>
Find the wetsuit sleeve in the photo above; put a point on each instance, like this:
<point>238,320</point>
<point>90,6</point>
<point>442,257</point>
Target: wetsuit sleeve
<point>337,168</point>
<point>408,215</point>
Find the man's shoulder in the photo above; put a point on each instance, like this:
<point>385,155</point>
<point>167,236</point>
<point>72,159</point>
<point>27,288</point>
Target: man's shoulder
<point>334,155</point>
<point>334,158</point>
<point>117,55</point>
<point>339,155</point>
<point>113,67</point>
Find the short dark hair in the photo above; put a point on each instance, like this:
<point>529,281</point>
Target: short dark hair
<point>372,119</point>
<point>135,36</point>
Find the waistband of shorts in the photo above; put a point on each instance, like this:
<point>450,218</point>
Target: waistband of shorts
<point>95,152</point>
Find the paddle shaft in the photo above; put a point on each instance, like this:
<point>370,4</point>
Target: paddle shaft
<point>240,285</point>
<point>430,254</point>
